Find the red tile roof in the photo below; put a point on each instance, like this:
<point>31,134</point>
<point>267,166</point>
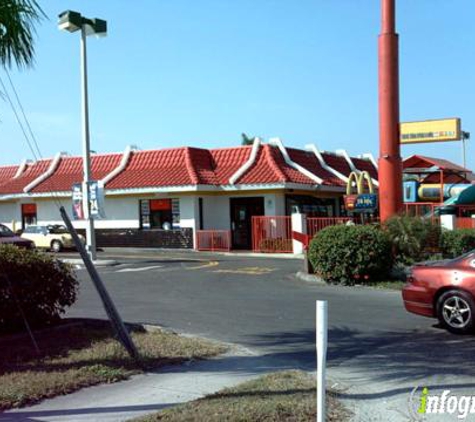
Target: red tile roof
<point>265,169</point>
<point>365,165</point>
<point>337,162</point>
<point>308,160</point>
<point>227,161</point>
<point>31,173</point>
<point>70,171</point>
<point>183,167</point>
<point>7,173</point>
<point>421,161</point>
<point>164,167</point>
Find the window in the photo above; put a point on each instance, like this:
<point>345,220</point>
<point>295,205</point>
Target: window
<point>161,216</point>
<point>5,231</point>
<point>310,205</point>
<point>159,213</point>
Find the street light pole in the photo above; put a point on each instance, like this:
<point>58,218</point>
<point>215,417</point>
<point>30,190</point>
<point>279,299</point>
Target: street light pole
<point>90,234</point>
<point>389,163</point>
<point>73,21</point>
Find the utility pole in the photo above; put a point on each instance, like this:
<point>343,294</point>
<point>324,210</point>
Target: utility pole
<point>390,163</point>
<point>90,234</point>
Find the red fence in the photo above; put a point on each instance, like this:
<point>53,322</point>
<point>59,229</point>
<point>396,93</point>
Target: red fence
<point>465,223</point>
<point>214,240</point>
<point>315,224</point>
<point>272,234</point>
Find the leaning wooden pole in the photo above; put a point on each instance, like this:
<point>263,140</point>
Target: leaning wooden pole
<point>112,313</point>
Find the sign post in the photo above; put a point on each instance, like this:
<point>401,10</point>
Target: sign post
<point>321,340</point>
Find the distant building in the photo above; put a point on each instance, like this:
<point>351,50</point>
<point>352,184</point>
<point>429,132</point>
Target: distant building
<point>162,197</point>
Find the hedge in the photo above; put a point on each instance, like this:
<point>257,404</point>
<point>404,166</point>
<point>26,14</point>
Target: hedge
<point>456,242</point>
<point>350,254</point>
<point>413,239</point>
<point>33,283</point>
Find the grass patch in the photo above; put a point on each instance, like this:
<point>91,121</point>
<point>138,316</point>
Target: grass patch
<point>282,396</point>
<point>83,355</point>
<point>388,284</point>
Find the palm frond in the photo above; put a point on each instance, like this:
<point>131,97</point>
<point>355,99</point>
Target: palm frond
<point>17,30</point>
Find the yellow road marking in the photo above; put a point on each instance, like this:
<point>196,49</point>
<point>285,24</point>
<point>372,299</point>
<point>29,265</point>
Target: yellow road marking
<point>207,265</point>
<point>247,270</point>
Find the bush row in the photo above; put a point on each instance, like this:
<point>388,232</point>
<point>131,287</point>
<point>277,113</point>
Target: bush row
<point>350,254</point>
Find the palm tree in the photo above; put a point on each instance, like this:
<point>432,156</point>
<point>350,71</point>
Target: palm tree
<point>17,30</point>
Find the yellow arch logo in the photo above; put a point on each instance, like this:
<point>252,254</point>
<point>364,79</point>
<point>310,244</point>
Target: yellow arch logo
<point>358,180</point>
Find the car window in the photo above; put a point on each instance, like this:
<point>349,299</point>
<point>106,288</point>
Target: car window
<point>57,229</point>
<point>5,231</point>
<point>30,229</point>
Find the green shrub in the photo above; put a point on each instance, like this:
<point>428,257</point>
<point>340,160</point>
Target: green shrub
<point>35,283</point>
<point>413,239</point>
<point>349,254</point>
<point>456,242</point>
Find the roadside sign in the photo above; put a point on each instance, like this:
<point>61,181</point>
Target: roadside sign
<point>96,201</point>
<point>78,210</point>
<point>441,130</point>
<point>365,202</point>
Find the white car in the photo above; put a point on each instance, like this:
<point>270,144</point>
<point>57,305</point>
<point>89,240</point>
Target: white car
<point>53,237</point>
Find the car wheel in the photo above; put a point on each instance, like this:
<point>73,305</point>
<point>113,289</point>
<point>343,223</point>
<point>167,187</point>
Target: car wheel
<point>456,311</point>
<point>56,246</point>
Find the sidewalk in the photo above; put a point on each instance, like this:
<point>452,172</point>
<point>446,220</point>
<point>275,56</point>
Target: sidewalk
<point>148,393</point>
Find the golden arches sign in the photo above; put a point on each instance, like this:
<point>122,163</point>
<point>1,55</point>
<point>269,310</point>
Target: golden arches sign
<point>358,180</point>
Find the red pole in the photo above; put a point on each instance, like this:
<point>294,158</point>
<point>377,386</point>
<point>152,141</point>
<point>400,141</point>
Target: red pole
<point>390,163</point>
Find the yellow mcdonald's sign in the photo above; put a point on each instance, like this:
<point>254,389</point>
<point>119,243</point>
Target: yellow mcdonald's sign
<point>358,180</point>
<point>442,130</point>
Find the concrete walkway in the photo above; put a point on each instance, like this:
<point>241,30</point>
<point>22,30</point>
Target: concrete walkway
<point>148,393</point>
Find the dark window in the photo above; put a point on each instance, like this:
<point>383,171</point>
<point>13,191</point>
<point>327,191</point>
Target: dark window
<point>200,206</point>
<point>310,205</point>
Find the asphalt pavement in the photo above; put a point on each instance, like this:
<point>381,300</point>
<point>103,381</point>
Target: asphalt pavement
<point>377,351</point>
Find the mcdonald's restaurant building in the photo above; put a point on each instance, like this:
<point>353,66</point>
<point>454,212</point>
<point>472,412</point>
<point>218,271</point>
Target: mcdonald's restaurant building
<point>166,197</point>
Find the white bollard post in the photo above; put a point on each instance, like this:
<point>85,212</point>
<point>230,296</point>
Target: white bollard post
<point>321,337</point>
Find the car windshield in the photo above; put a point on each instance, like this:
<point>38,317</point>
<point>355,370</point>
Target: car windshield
<point>5,231</point>
<point>57,229</point>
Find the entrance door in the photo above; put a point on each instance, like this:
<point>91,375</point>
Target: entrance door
<point>242,211</point>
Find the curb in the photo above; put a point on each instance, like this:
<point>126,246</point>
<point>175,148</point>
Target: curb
<point>78,263</point>
<point>310,278</point>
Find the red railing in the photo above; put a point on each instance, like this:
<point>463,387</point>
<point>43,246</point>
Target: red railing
<point>214,240</point>
<point>465,223</point>
<point>315,224</point>
<point>272,234</point>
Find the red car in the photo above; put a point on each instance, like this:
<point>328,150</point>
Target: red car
<point>444,290</point>
<point>7,237</point>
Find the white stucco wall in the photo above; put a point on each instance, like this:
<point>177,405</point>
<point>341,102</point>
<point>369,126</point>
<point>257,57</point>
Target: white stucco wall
<point>9,212</point>
<point>123,212</point>
<point>217,209</point>
<point>216,213</point>
<point>120,212</point>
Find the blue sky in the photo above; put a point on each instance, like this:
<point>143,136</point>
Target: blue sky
<point>199,73</point>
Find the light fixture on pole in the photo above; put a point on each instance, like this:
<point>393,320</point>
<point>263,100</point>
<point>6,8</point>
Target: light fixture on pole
<point>73,21</point>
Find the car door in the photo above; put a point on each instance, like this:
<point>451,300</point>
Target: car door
<point>31,233</point>
<point>43,238</point>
